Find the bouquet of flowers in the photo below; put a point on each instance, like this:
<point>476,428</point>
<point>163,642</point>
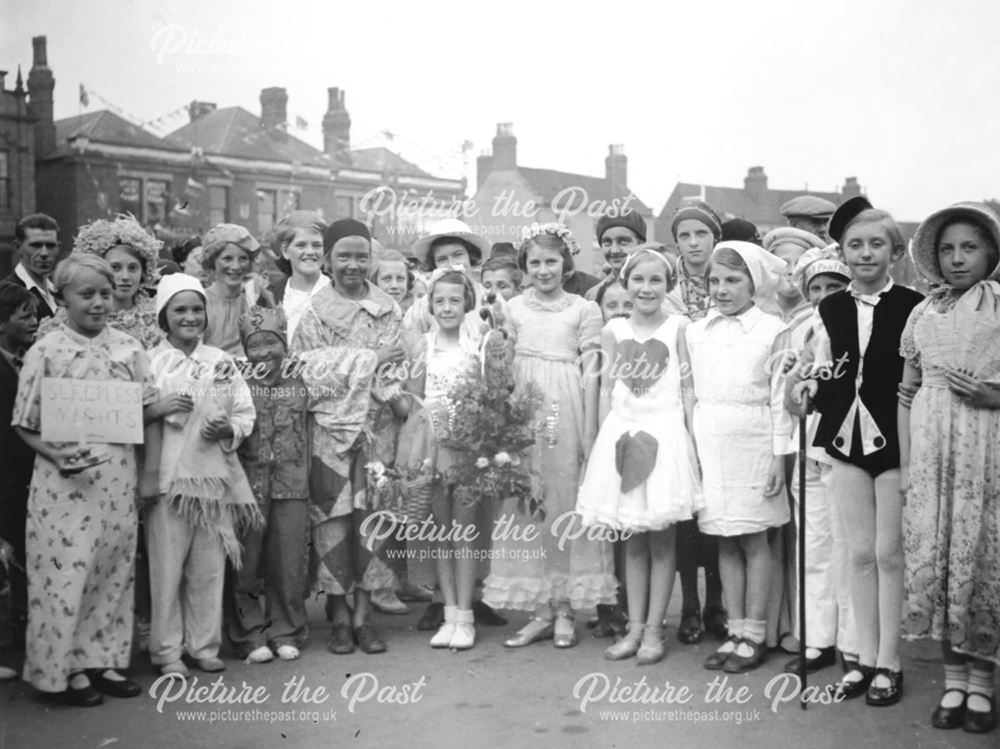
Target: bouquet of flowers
<point>491,429</point>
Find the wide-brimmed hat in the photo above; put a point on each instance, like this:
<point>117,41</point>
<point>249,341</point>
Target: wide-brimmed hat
<point>923,249</point>
<point>450,227</point>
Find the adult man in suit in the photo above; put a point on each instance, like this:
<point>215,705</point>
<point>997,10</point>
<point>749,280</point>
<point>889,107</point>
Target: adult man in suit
<point>36,240</point>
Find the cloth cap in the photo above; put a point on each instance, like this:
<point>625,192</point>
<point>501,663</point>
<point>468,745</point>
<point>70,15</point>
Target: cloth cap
<point>807,205</point>
<point>172,285</point>
<point>790,235</point>
<point>629,219</point>
<point>923,249</point>
<point>766,271</point>
<point>345,227</point>
<point>264,320</point>
<point>844,214</point>
<point>817,261</point>
<point>700,212</point>
<point>503,249</point>
<point>216,239</point>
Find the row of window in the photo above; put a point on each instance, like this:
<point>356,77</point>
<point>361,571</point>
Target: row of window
<point>149,200</point>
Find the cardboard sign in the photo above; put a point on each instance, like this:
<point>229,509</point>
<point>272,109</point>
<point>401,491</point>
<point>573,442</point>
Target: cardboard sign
<point>102,411</point>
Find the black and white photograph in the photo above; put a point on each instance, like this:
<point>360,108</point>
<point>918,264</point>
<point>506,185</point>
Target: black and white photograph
<point>460,375</point>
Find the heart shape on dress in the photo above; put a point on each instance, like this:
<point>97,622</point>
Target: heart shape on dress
<point>640,365</point>
<point>635,456</point>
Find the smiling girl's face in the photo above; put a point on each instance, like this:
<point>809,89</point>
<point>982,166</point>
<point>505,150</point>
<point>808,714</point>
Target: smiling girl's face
<point>232,266</point>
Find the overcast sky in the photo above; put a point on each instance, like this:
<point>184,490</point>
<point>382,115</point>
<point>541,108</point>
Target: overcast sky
<point>904,95</point>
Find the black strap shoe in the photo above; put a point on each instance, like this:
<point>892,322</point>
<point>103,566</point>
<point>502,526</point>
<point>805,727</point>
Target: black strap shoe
<point>826,657</point>
<point>717,660</point>
<point>980,722</point>
<point>740,664</point>
<point>949,717</point>
<point>885,696</point>
<point>847,689</point>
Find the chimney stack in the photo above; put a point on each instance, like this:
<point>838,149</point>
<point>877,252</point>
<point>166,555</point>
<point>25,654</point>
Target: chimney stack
<point>484,165</point>
<point>274,111</point>
<point>505,148</point>
<point>337,128</point>
<point>198,109</point>
<point>616,170</point>
<point>41,84</point>
<point>755,182</point>
<point>851,188</point>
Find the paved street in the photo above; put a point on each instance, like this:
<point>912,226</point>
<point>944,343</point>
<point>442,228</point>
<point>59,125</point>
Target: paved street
<point>414,696</point>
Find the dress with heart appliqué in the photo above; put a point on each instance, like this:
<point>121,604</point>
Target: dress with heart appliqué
<point>642,472</point>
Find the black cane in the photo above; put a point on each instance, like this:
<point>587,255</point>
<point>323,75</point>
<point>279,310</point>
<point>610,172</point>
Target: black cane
<point>802,548</point>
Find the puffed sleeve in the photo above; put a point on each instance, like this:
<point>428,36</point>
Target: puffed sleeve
<point>591,324</point>
<point>907,343</point>
<point>28,403</point>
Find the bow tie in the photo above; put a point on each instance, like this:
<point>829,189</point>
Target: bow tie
<point>871,300</point>
<point>18,362</point>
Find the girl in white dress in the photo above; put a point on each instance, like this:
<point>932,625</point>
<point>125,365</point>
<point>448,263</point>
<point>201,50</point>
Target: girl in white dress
<point>443,354</point>
<point>743,432</point>
<point>642,475</point>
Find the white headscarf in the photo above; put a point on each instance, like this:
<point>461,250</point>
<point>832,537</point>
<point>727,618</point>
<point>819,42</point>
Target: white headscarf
<point>766,270</point>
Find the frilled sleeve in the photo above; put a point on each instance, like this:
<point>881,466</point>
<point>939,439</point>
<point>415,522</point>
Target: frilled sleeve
<point>591,323</point>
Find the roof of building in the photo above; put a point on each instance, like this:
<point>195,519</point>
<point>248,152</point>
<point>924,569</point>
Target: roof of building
<point>547,183</point>
<point>381,159</point>
<point>104,126</point>
<point>233,131</point>
<point>738,202</point>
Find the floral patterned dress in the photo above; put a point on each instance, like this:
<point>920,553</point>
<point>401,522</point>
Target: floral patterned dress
<point>951,520</point>
<point>81,530</point>
<point>526,575</point>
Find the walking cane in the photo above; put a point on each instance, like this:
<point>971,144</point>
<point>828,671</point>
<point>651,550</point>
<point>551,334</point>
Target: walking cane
<point>802,548</point>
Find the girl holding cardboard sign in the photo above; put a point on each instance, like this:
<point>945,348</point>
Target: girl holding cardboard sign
<point>82,523</point>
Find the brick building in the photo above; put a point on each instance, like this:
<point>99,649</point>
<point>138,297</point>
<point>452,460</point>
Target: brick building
<point>510,196</point>
<point>225,165</point>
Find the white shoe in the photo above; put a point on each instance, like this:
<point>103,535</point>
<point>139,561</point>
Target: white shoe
<point>442,639</point>
<point>7,673</point>
<point>262,654</point>
<point>288,652</point>
<point>464,636</point>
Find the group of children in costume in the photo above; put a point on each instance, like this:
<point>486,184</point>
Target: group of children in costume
<point>677,383</point>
